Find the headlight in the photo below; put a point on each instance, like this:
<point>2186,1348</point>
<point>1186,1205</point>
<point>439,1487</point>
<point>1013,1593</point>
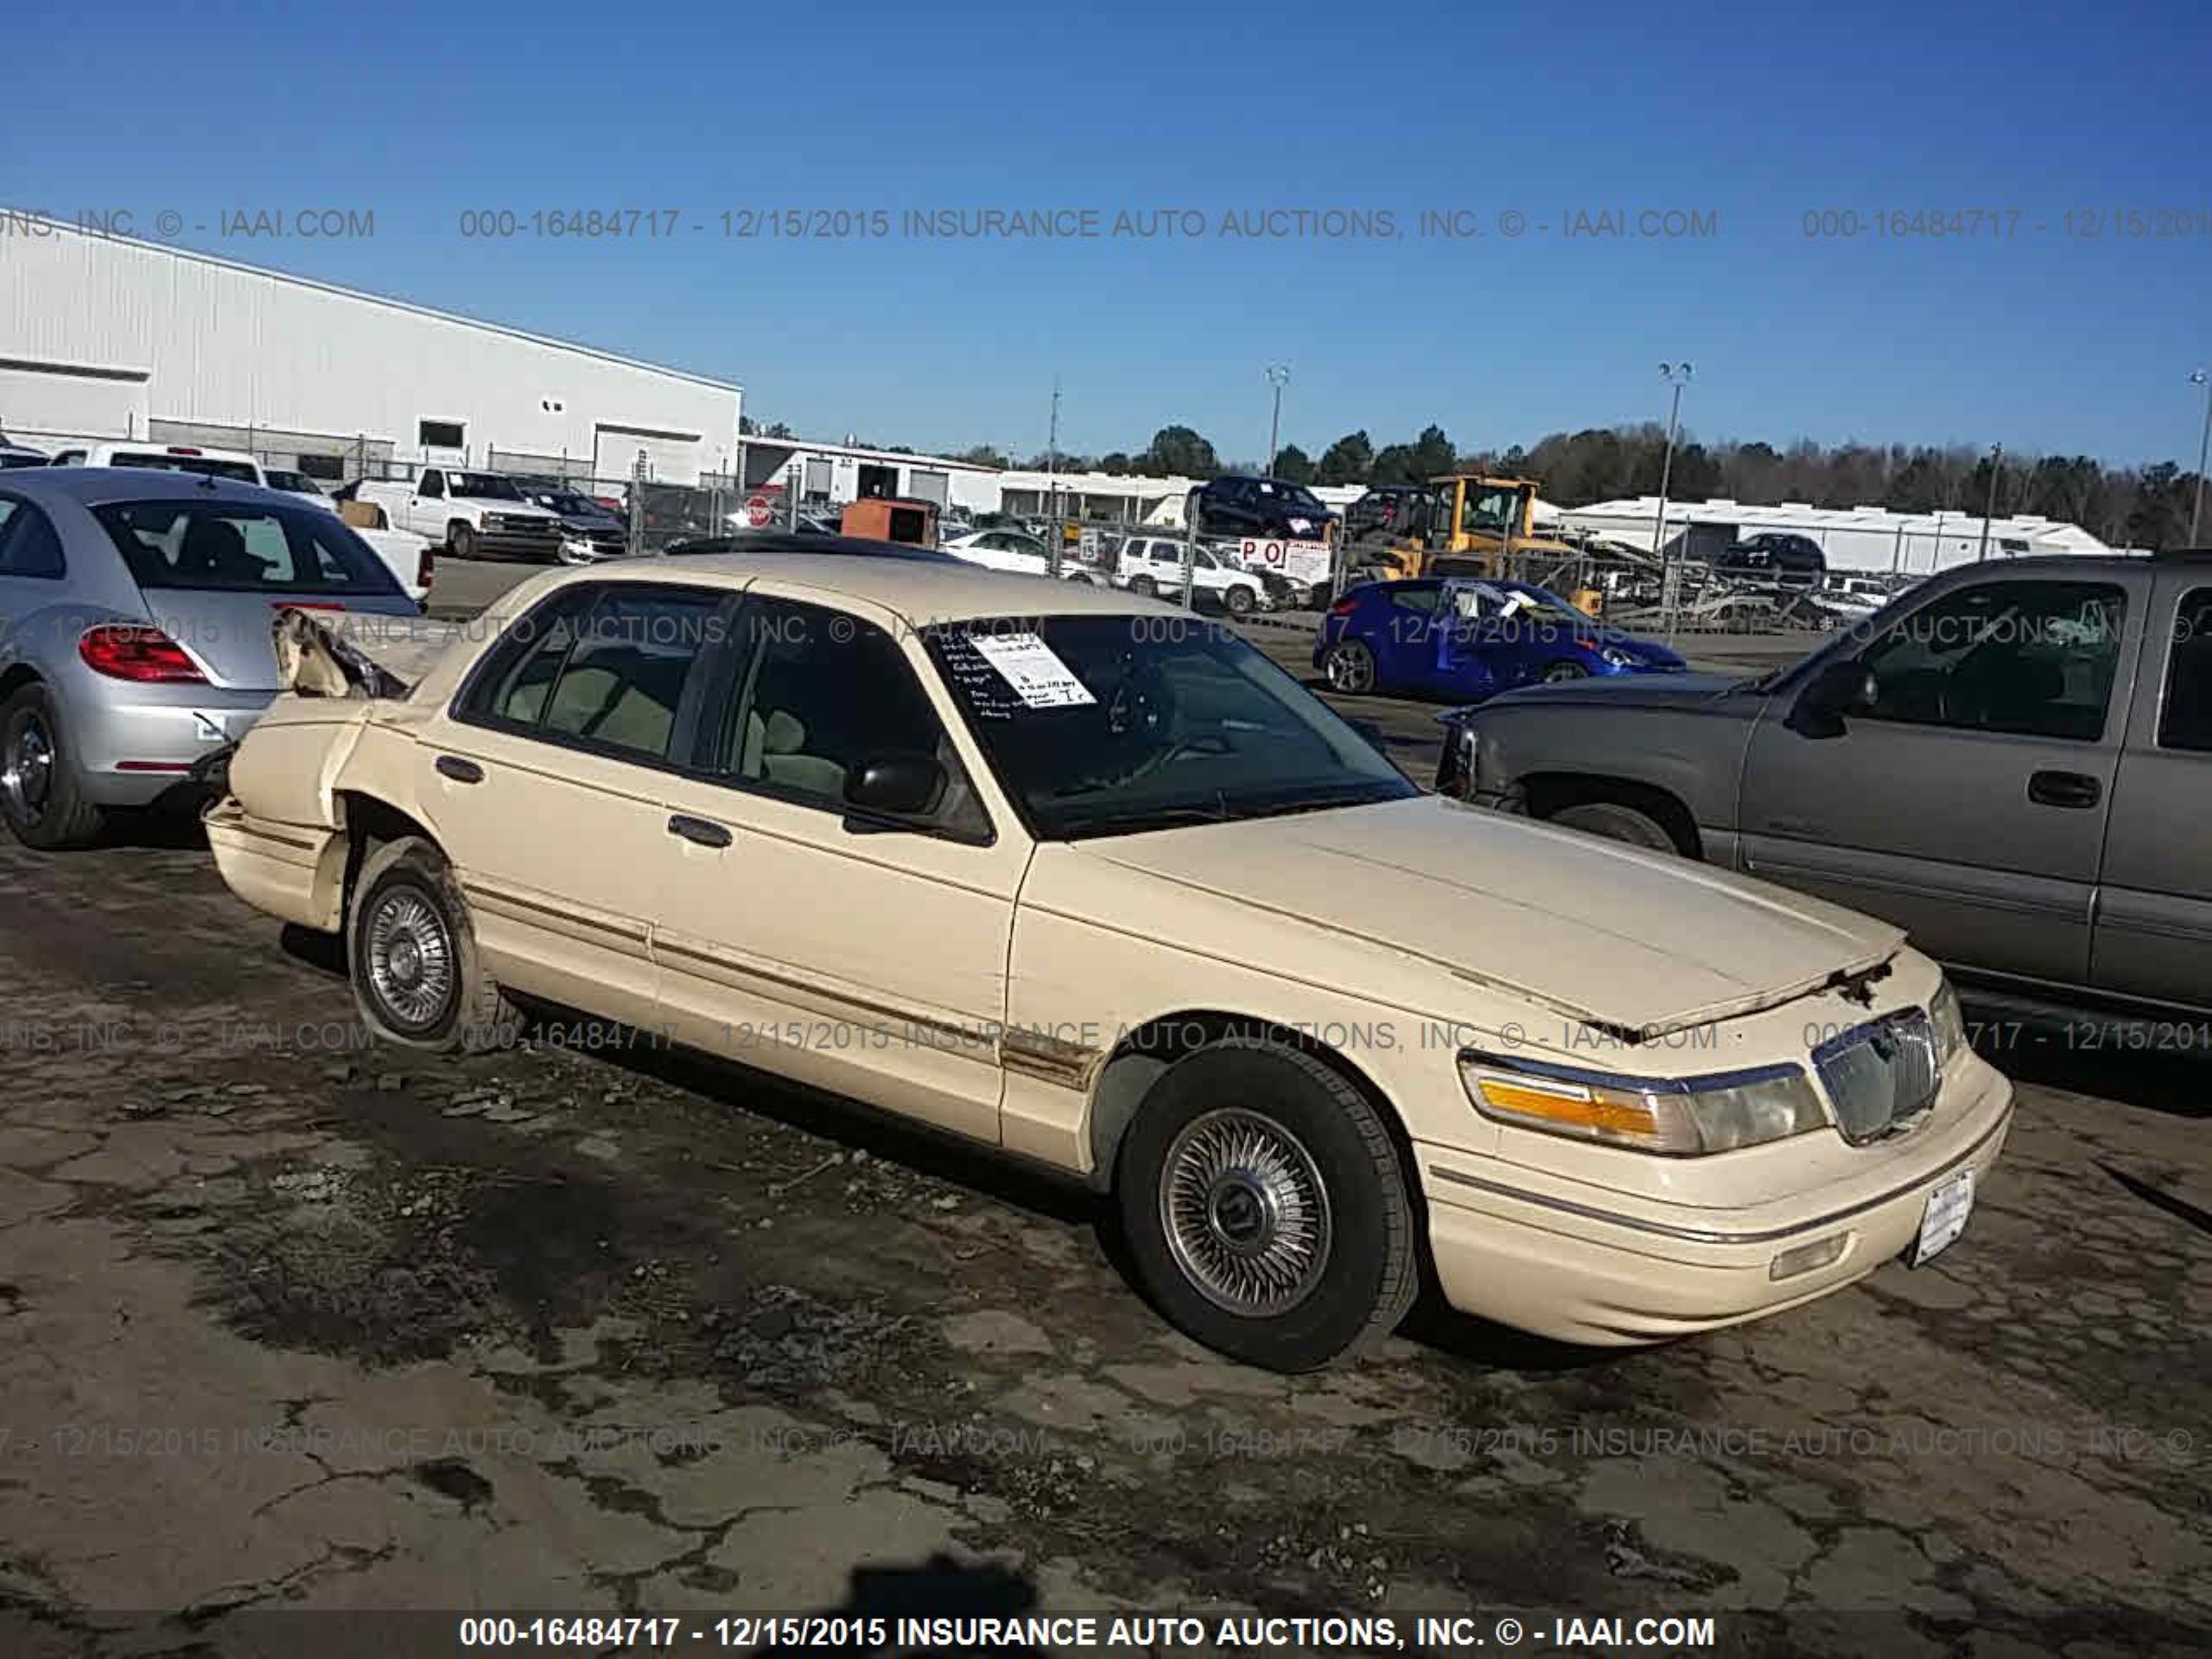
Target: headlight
<point>1620,658</point>
<point>1682,1117</point>
<point>1946,1023</point>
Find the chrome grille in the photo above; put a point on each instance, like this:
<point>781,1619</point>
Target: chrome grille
<point>1880,1074</point>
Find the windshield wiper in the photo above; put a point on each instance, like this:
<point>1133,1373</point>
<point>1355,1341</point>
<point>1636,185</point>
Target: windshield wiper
<point>1159,816</point>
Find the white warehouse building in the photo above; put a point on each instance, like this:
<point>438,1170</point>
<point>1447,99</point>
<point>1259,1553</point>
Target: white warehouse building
<point>103,336</point>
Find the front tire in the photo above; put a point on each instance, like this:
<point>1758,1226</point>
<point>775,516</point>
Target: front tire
<point>1265,1207</point>
<point>40,794</point>
<point>460,540</point>
<point>1560,672</point>
<point>1239,600</point>
<point>410,953</point>
<point>1350,666</point>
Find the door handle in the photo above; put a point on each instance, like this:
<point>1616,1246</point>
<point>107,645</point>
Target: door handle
<point>2074,788</point>
<point>699,829</point>
<point>460,771</point>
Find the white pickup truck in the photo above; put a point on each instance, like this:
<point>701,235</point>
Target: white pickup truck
<point>473,515</point>
<point>405,554</point>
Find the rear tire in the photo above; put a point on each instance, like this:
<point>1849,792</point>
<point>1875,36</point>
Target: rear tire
<point>1265,1207</point>
<point>1143,587</point>
<point>410,953</point>
<point>1618,823</point>
<point>40,794</point>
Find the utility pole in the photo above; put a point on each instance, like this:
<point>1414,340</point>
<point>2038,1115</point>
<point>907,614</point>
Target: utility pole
<point>1052,484</point>
<point>1676,375</point>
<point>1989,501</point>
<point>1278,377</point>
<point>2203,453</point>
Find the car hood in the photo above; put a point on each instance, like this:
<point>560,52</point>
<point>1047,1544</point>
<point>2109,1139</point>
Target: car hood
<point>1631,691</point>
<point>1611,935</point>
<point>513,509</point>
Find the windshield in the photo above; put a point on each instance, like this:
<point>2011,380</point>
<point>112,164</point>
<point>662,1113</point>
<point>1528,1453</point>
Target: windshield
<point>232,547</point>
<point>296,483</point>
<point>489,485</point>
<point>205,465</point>
<point>1111,725</point>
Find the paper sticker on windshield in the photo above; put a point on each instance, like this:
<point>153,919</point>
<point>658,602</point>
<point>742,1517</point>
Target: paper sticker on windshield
<point>1038,677</point>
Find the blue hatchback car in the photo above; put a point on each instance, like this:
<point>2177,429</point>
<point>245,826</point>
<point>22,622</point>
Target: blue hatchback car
<point>1467,639</point>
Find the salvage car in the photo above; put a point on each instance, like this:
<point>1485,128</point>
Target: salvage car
<point>2010,761</point>
<point>135,611</point>
<point>1085,879</point>
<point>1469,639</point>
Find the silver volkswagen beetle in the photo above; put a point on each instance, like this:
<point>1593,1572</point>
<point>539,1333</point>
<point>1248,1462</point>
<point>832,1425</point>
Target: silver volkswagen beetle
<point>135,615</point>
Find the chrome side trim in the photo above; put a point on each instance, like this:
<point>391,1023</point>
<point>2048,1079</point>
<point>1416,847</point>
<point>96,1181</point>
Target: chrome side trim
<point>736,967</point>
<point>1715,1236</point>
<point>555,918</point>
<point>1053,1059</point>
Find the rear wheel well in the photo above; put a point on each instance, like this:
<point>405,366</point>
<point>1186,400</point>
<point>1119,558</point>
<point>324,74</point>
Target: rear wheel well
<point>369,824</point>
<point>16,679</point>
<point>1551,792</point>
<point>1151,1048</point>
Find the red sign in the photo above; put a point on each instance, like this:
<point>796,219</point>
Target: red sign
<point>757,511</point>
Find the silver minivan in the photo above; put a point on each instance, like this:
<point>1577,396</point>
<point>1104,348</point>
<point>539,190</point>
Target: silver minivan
<point>135,606</point>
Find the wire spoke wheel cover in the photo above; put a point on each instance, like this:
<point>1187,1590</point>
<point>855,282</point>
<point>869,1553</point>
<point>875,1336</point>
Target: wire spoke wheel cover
<point>1245,1212</point>
<point>409,951</point>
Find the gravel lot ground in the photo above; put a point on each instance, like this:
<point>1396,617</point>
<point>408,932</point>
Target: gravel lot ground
<point>287,1321</point>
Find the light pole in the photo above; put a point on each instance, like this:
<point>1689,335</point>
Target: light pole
<point>2203,453</point>
<point>1676,375</point>
<point>1278,377</point>
<point>1989,501</point>
<point>1052,484</point>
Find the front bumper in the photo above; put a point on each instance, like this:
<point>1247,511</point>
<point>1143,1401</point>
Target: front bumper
<point>1581,1263</point>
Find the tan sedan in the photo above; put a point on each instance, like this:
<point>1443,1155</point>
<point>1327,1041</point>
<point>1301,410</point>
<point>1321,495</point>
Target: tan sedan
<point>1072,874</point>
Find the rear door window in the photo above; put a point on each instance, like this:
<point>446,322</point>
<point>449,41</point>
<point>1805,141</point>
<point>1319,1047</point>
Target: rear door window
<point>231,547</point>
<point>2185,716</point>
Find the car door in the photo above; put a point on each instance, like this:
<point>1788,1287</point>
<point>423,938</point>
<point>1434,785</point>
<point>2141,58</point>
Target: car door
<point>1401,632</point>
<point>2153,931</point>
<point>542,783</point>
<point>1466,660</point>
<point>861,954</point>
<point>1969,803</point>
<point>425,508</point>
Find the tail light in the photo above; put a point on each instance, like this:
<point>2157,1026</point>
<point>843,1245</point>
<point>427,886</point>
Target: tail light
<point>424,570</point>
<point>1344,607</point>
<point>123,651</point>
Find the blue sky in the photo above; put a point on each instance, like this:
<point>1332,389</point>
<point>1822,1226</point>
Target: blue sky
<point>1754,114</point>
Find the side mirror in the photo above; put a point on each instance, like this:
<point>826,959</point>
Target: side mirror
<point>902,785</point>
<point>1841,688</point>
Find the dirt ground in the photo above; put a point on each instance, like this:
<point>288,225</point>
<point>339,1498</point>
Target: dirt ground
<point>287,1321</point>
